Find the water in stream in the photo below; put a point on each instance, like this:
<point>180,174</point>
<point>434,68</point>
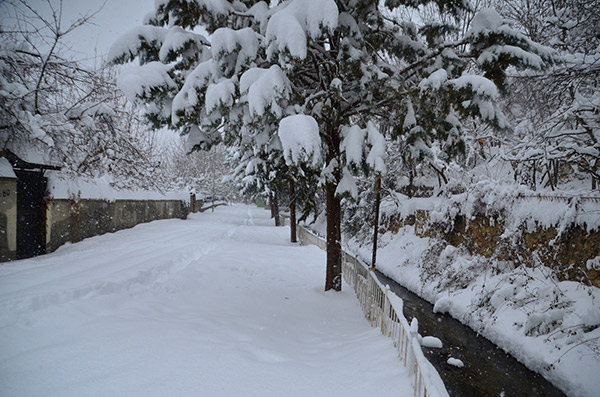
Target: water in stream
<point>488,370</point>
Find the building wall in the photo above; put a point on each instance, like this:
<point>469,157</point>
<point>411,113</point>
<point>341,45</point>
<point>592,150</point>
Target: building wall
<point>72,221</point>
<point>8,219</point>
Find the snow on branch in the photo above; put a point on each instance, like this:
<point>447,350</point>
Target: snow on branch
<point>220,94</point>
<point>376,156</point>
<point>129,45</point>
<point>480,94</point>
<point>358,141</point>
<point>352,144</point>
<point>176,40</point>
<point>225,41</point>
<point>140,81</point>
<point>509,43</point>
<point>478,84</point>
<point>264,88</point>
<point>435,80</point>
<point>198,80</point>
<point>299,135</point>
<point>294,20</point>
<point>347,185</point>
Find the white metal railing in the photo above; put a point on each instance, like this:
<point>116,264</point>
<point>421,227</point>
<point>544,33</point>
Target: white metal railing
<point>383,309</point>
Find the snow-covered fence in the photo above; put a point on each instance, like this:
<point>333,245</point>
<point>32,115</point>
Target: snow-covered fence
<point>383,309</point>
<point>307,237</point>
<point>204,206</point>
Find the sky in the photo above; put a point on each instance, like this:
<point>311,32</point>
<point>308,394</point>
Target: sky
<point>94,39</point>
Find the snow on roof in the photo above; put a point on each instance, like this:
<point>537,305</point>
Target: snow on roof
<point>33,154</point>
<point>6,170</point>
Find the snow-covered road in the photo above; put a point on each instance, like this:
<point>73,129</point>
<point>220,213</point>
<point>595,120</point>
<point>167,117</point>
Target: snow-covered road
<point>220,304</point>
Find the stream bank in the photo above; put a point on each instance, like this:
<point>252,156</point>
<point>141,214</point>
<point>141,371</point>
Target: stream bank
<point>488,371</point>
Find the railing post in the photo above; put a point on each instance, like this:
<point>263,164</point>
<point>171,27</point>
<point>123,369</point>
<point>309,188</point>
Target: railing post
<point>386,311</point>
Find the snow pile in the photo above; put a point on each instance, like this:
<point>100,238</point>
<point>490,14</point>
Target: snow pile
<point>431,341</point>
<point>455,362</point>
<point>218,305</point>
<point>66,187</point>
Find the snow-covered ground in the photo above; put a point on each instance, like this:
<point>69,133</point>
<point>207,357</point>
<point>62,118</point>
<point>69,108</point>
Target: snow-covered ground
<point>220,304</point>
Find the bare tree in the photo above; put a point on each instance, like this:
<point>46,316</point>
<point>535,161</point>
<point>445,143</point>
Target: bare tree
<point>60,109</point>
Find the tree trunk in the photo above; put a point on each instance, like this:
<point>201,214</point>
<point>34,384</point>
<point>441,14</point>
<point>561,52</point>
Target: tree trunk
<point>534,182</point>
<point>333,278</point>
<point>411,178</point>
<point>376,221</point>
<point>275,208</point>
<point>292,211</point>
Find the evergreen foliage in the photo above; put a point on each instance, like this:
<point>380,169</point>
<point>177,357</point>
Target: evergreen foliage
<point>358,68</point>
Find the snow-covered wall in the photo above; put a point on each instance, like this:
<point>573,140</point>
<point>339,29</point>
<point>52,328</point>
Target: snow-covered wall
<point>553,233</point>
<point>8,215</point>
<point>77,208</point>
<point>66,187</point>
<point>74,220</point>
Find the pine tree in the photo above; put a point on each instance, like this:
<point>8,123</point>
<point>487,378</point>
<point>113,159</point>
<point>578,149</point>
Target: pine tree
<point>338,75</point>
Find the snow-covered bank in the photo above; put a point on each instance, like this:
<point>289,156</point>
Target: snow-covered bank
<point>550,326</point>
<point>220,304</point>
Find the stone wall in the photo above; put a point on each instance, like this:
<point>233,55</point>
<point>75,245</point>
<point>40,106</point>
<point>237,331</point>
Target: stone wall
<point>8,219</point>
<point>567,254</point>
<point>74,220</point>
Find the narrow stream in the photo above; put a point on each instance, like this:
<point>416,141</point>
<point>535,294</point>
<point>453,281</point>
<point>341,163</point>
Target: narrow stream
<point>488,370</point>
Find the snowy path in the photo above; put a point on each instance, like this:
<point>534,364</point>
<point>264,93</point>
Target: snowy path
<point>217,305</point>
